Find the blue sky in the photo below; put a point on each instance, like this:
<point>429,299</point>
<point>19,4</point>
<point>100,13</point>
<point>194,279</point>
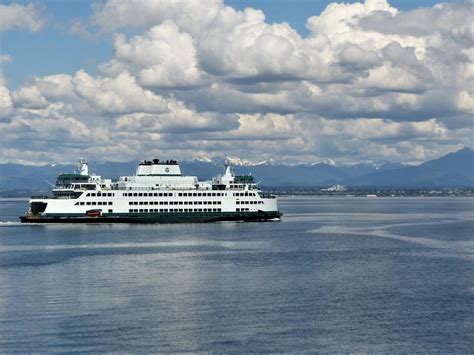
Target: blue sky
<point>293,81</point>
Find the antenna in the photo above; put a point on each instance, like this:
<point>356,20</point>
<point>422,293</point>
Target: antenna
<point>49,183</point>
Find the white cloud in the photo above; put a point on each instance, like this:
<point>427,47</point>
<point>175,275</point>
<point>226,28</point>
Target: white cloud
<point>453,20</point>
<point>465,102</point>
<point>339,24</point>
<point>356,57</point>
<point>369,82</point>
<point>56,87</point>
<point>192,16</point>
<point>178,120</point>
<point>6,102</point>
<point>117,95</point>
<point>377,129</point>
<point>163,57</point>
<point>17,16</point>
<point>393,78</point>
<point>259,127</point>
<point>253,48</point>
<point>29,97</point>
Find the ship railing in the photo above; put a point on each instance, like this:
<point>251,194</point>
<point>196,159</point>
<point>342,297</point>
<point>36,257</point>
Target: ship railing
<point>53,197</point>
<point>267,196</point>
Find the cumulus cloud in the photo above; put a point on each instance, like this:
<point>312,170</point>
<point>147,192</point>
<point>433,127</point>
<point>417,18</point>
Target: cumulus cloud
<point>120,94</point>
<point>254,49</point>
<point>451,20</point>
<point>178,120</point>
<point>29,97</point>
<point>163,57</point>
<point>56,87</point>
<point>377,129</point>
<point>6,102</point>
<point>192,16</point>
<point>368,82</point>
<point>356,57</point>
<point>16,16</point>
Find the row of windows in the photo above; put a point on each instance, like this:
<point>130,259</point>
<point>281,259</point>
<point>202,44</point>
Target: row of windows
<point>148,194</point>
<point>109,203</point>
<point>242,209</point>
<point>245,194</point>
<point>174,203</point>
<point>94,203</point>
<point>174,210</point>
<point>249,202</point>
<point>170,194</point>
<point>237,186</point>
<point>201,194</point>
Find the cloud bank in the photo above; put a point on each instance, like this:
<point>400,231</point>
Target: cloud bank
<point>369,82</point>
<point>21,17</point>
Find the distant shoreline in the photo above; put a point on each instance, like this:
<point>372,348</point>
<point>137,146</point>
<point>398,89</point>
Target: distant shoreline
<point>378,192</point>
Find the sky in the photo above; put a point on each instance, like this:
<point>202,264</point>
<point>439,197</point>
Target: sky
<point>294,81</point>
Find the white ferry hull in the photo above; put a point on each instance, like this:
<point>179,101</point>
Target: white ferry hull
<point>204,217</point>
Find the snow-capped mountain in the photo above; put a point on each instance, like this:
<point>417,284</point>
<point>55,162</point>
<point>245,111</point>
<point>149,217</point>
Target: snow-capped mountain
<point>326,161</point>
<point>269,161</point>
<point>203,160</point>
<point>244,162</point>
<point>232,160</point>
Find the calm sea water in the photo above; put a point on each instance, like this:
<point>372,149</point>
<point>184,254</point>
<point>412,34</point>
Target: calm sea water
<point>336,275</point>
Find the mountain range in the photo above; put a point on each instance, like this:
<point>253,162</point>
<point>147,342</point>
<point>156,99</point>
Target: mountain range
<point>452,170</point>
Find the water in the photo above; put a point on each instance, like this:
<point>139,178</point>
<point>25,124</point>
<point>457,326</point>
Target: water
<point>336,275</point>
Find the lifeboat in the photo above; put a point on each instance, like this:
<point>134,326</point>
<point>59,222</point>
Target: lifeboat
<point>94,213</point>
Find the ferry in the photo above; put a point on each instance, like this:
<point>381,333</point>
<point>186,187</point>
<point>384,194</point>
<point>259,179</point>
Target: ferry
<point>157,193</point>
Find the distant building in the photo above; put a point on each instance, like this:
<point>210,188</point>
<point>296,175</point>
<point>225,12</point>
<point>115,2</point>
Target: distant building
<point>335,188</point>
